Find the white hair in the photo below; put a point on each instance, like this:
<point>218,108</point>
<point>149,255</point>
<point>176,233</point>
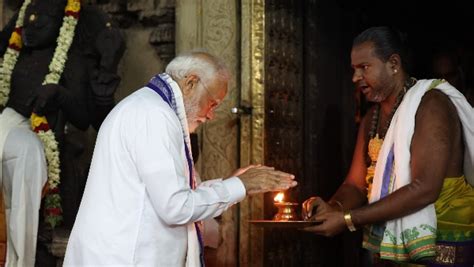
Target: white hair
<point>203,64</point>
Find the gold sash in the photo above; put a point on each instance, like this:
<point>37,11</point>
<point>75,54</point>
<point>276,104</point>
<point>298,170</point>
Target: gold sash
<point>455,211</point>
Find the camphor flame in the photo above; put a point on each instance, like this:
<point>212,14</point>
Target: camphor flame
<point>279,197</point>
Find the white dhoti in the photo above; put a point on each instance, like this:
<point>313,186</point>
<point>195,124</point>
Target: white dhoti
<point>24,173</point>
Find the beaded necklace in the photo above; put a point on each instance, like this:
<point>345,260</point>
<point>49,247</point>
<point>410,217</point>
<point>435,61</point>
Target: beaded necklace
<point>376,140</point>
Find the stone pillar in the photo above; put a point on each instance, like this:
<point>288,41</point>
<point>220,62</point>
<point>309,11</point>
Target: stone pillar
<point>214,26</point>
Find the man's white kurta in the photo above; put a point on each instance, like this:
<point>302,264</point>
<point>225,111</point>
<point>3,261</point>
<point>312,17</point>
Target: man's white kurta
<point>137,201</point>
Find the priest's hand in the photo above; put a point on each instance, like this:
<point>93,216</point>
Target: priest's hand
<point>319,204</point>
<point>330,217</point>
<point>261,179</point>
<point>330,223</point>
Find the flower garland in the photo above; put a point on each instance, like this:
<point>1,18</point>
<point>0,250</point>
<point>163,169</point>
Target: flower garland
<point>39,124</point>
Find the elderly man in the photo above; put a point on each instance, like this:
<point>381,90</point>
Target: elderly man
<point>413,162</point>
<point>141,205</point>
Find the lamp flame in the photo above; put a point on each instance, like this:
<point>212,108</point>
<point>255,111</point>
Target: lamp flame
<point>279,197</point>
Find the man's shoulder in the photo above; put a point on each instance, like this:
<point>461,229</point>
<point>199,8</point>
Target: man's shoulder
<point>436,96</point>
<point>436,105</point>
<point>436,100</point>
<point>145,100</point>
<point>143,105</point>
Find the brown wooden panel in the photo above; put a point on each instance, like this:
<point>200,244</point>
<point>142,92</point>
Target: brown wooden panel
<point>284,127</point>
<point>309,124</point>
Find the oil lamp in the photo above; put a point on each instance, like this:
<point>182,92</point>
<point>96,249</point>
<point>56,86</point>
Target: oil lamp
<point>286,210</point>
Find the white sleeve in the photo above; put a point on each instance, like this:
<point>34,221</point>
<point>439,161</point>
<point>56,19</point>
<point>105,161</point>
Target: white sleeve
<point>161,165</point>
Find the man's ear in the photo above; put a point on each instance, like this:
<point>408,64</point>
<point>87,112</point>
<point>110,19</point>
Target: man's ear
<point>190,83</point>
<point>395,62</point>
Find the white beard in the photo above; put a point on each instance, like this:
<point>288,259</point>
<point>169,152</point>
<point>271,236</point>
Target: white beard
<point>191,106</point>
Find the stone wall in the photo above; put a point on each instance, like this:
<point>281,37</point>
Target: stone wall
<point>148,27</point>
<point>213,25</point>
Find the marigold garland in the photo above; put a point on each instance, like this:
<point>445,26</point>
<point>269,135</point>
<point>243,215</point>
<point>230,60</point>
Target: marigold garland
<point>39,124</point>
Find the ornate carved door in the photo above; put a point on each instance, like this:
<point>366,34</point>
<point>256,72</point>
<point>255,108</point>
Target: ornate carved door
<point>272,83</point>
<point>296,78</point>
<point>284,124</point>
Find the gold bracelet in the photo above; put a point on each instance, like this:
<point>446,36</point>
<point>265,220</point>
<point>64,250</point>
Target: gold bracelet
<point>349,223</point>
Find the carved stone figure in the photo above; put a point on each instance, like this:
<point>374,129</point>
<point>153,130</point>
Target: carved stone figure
<point>82,97</point>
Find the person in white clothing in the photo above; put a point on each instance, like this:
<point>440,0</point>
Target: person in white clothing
<point>141,205</point>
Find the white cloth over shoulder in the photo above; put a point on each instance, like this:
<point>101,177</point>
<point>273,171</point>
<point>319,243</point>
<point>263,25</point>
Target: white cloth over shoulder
<point>138,206</point>
<point>401,130</point>
<point>399,137</point>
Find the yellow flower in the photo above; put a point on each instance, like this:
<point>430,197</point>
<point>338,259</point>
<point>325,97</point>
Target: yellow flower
<point>73,6</point>
<point>15,39</point>
<point>37,120</point>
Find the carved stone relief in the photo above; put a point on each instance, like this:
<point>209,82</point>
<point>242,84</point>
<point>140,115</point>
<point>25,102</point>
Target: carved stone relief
<point>219,137</point>
<point>148,28</point>
<point>212,25</point>
<point>157,15</point>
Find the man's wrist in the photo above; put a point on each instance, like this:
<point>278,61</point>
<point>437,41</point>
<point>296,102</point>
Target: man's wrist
<point>348,219</point>
<point>236,188</point>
